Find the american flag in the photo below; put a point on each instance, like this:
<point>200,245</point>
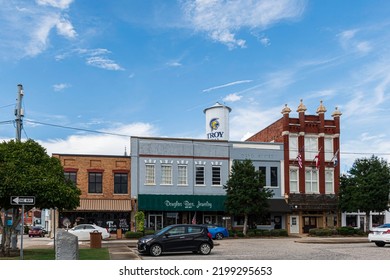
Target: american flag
<point>299,158</point>
<point>194,219</point>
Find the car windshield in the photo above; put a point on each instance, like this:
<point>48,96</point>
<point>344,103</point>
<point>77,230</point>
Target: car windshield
<point>162,231</point>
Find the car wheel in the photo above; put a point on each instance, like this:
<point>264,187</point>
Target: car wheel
<point>219,236</point>
<point>380,244</point>
<point>205,248</point>
<point>155,250</point>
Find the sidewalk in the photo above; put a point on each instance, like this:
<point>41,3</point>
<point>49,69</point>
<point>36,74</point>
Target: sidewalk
<point>331,240</point>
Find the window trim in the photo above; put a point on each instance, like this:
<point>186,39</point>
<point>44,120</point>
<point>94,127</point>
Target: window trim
<point>179,168</point>
<point>153,176</point>
<point>219,173</point>
<point>169,176</point>
<point>121,184</point>
<point>95,172</point>
<point>203,175</point>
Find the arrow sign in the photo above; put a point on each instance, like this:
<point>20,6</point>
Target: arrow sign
<point>22,200</point>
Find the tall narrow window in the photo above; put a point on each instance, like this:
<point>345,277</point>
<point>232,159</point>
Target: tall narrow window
<point>328,149</point>
<point>150,177</point>
<point>216,172</point>
<point>199,175</point>
<point>294,180</point>
<point>95,182</point>
<point>329,181</point>
<point>262,170</point>
<point>166,174</point>
<point>311,180</point>
<point>182,178</point>
<point>293,146</point>
<point>120,183</point>
<point>311,148</point>
<point>274,176</point>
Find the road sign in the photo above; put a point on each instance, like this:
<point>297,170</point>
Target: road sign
<point>22,200</point>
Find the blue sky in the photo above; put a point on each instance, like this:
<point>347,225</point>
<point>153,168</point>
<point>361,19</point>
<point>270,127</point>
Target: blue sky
<point>149,68</point>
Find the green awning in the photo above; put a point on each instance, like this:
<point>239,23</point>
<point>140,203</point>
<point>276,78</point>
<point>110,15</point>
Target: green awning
<point>152,202</point>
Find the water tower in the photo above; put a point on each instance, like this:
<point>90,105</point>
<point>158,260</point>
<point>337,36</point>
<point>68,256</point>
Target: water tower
<point>217,122</point>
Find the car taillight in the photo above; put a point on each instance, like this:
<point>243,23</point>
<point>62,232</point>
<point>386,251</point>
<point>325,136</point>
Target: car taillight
<point>209,235</point>
<point>387,231</point>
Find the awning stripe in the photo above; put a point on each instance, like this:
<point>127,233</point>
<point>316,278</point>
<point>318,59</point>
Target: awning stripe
<point>104,205</point>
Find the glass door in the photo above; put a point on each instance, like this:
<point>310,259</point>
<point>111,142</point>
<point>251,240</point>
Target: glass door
<point>155,221</point>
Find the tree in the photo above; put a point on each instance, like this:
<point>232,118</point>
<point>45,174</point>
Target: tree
<point>245,192</point>
<point>27,170</point>
<point>366,187</point>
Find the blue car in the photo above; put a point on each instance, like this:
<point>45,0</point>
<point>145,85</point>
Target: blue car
<point>218,232</point>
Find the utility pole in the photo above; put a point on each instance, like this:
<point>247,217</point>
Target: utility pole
<point>19,113</point>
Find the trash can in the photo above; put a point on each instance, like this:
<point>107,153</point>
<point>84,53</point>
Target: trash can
<point>119,233</point>
<point>95,239</point>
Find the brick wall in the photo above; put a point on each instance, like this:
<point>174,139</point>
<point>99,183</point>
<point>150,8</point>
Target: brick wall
<point>108,165</point>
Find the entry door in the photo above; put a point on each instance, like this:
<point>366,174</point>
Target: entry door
<point>309,223</point>
<point>294,224</point>
<point>155,221</point>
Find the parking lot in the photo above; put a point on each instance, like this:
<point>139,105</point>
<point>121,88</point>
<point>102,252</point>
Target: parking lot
<point>285,249</point>
<point>306,248</point>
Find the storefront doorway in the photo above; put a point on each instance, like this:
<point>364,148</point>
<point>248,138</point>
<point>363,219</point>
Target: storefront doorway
<point>155,221</point>
<point>309,223</point>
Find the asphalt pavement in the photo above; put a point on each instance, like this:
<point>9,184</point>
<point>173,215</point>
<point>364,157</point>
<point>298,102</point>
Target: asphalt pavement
<point>126,249</point>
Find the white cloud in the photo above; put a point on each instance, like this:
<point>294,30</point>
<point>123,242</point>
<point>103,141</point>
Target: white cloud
<point>246,121</point>
<point>222,19</point>
<point>60,87</point>
<point>102,144</point>
<point>32,38</point>
<point>104,63</point>
<point>65,28</point>
<point>174,64</point>
<point>232,98</point>
<point>61,4</point>
<point>349,41</point>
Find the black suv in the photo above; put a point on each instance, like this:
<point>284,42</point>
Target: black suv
<point>175,238</point>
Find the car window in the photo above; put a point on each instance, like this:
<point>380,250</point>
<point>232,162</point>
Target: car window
<point>89,227</point>
<point>192,229</point>
<point>79,227</point>
<point>177,230</point>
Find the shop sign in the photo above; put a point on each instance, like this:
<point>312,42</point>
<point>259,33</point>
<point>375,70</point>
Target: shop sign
<point>182,202</point>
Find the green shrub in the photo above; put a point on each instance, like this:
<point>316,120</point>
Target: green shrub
<point>279,232</point>
<point>321,232</point>
<point>132,234</point>
<point>346,230</point>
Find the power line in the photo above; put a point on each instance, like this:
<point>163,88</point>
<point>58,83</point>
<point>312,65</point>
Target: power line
<point>76,128</point>
<point>173,140</point>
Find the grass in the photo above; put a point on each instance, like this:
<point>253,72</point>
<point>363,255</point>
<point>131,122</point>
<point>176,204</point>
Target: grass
<point>49,254</point>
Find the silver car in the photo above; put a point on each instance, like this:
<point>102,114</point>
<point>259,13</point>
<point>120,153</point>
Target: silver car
<point>380,235</point>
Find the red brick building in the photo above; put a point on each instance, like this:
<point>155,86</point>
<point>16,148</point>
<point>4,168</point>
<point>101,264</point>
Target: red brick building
<point>311,170</point>
<point>105,190</point>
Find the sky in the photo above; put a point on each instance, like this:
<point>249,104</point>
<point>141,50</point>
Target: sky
<point>95,72</point>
